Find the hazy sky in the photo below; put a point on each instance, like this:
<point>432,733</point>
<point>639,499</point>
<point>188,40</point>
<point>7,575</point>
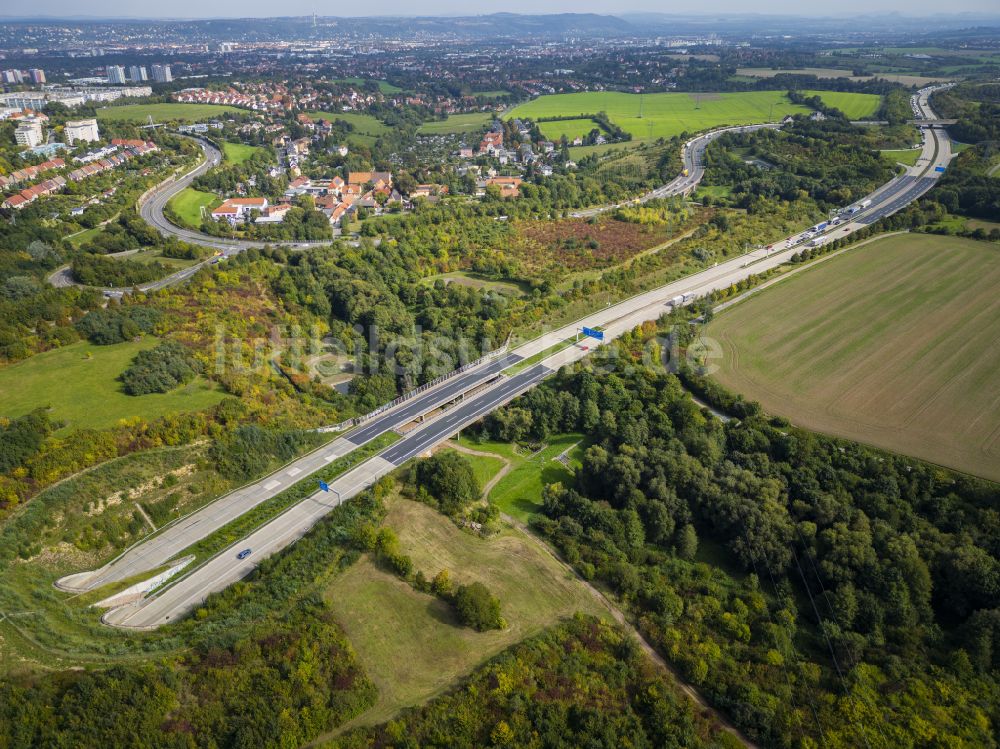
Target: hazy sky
<point>259,8</point>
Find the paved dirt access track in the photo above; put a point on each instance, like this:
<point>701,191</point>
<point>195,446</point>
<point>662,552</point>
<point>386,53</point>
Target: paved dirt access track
<point>894,344</point>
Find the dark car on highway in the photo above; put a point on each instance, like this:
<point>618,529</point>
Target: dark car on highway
<point>243,554</point>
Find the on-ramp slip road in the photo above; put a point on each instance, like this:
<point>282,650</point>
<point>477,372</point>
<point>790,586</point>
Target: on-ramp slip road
<point>693,157</point>
<point>189,591</point>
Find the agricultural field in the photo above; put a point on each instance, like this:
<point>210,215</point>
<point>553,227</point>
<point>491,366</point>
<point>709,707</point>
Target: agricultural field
<point>904,78</point>
<point>409,642</point>
<point>570,128</point>
<point>79,385</point>
<point>364,124</point>
<point>168,112</point>
<point>892,343</point>
<point>237,153</point>
<point>652,116</point>
<point>457,124</point>
<point>854,106</point>
<point>189,203</point>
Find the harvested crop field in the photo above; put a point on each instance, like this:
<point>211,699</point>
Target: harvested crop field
<point>893,344</point>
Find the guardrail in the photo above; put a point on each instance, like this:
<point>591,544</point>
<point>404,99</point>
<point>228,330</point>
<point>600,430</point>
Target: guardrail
<point>356,420</point>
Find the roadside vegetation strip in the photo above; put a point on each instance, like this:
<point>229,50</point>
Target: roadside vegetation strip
<point>265,512</point>
<point>535,358</point>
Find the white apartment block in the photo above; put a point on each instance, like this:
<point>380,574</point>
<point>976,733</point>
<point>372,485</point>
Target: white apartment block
<point>81,130</point>
<point>27,135</point>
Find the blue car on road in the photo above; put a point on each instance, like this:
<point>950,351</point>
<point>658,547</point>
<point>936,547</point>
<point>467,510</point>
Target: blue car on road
<point>243,554</point>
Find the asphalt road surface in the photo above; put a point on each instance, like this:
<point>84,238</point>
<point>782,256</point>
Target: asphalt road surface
<point>693,157</point>
<point>189,591</point>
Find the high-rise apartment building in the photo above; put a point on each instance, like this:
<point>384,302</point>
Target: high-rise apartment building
<point>115,73</point>
<point>162,74</point>
<point>37,75</point>
<point>137,73</point>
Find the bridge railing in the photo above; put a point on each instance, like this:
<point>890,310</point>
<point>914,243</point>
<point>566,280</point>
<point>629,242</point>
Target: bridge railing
<point>355,421</point>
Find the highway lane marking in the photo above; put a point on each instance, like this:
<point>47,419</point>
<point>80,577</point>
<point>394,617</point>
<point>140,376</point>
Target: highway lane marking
<point>294,471</point>
<point>272,484</point>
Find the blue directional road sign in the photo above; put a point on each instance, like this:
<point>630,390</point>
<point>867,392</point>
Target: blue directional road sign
<point>597,334</point>
<point>324,486</point>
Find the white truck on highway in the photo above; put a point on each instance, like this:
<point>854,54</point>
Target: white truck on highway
<point>851,210</point>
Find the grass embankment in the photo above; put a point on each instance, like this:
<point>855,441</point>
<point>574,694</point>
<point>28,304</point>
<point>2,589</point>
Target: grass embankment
<point>189,205</point>
<point>410,644</point>
<point>237,153</point>
<point>79,385</point>
<point>79,524</point>
<point>175,112</point>
<point>906,156</point>
<point>892,343</point>
<point>651,116</point>
<point>457,124</point>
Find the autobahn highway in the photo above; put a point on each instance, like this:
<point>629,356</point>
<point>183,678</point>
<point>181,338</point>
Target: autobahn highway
<point>217,573</point>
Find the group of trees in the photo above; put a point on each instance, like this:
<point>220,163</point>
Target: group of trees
<point>850,561</point>
<point>160,369</point>
<point>117,323</point>
<point>582,683</point>
<point>446,478</point>
<point>828,161</point>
